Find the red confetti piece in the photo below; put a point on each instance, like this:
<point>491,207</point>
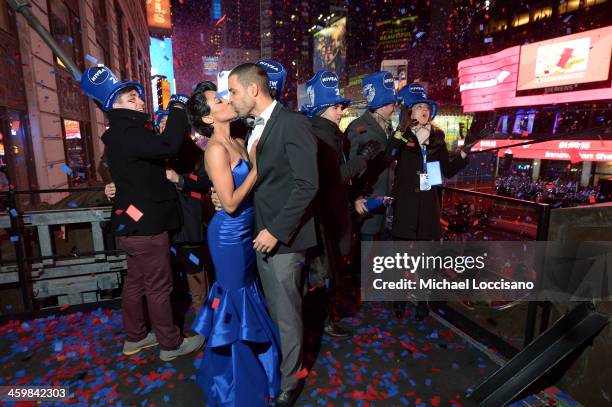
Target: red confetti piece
<point>196,195</point>
<point>134,213</point>
<point>215,303</point>
<point>118,211</point>
<point>193,177</point>
<point>301,374</point>
<point>64,307</point>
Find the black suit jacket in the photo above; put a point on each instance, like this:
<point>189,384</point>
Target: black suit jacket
<point>136,161</point>
<point>287,180</point>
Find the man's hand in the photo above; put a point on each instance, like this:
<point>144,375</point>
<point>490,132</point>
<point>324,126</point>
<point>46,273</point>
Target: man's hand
<point>265,242</point>
<point>110,191</point>
<point>360,206</point>
<point>215,199</point>
<point>172,176</point>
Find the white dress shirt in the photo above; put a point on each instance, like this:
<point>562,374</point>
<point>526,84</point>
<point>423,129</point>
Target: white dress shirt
<point>258,130</point>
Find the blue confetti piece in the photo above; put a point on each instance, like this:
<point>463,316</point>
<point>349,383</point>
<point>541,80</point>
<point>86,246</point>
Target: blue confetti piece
<point>58,346</point>
<point>412,383</point>
<point>427,382</point>
<point>120,227</point>
<point>72,204</point>
<point>20,373</point>
<point>66,169</point>
<point>455,366</point>
<point>566,19</point>
<point>420,34</point>
<point>14,213</point>
<point>172,250</point>
<point>194,259</point>
<point>166,398</point>
<point>14,239</point>
<point>91,59</point>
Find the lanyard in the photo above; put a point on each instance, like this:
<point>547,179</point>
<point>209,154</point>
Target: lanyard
<point>424,153</point>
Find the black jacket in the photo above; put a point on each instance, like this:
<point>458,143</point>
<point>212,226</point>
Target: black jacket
<point>417,213</point>
<point>332,204</point>
<point>375,179</point>
<point>194,184</point>
<point>136,161</point>
<point>287,180</point>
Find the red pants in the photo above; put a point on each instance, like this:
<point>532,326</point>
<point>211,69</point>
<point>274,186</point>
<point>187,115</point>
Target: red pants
<point>149,274</point>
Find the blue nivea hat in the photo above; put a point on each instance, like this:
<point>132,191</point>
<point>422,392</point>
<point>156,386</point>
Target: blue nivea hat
<point>414,93</point>
<point>322,90</point>
<point>379,89</point>
<point>277,75</point>
<point>101,84</point>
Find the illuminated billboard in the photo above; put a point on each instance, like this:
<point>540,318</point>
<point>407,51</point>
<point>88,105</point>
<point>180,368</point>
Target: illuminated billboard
<point>394,36</point>
<point>570,150</point>
<point>158,17</point>
<point>162,60</point>
<point>566,63</point>
<point>330,48</point>
<point>516,77</point>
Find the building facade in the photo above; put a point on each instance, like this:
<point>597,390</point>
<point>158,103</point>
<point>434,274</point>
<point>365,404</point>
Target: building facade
<point>50,130</point>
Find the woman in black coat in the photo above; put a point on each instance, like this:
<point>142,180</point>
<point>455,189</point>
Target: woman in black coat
<point>417,204</point>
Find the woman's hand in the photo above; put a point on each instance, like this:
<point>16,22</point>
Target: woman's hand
<point>360,206</point>
<point>172,176</point>
<point>110,191</point>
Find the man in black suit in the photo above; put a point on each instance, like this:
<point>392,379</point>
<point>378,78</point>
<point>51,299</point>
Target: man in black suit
<point>287,182</point>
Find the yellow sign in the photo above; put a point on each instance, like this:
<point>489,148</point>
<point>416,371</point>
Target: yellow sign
<point>158,15</point>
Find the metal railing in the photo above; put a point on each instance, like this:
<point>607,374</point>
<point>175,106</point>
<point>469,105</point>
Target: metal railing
<point>74,278</point>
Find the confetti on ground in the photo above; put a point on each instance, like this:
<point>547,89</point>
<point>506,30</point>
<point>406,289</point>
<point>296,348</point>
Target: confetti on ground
<point>84,351</point>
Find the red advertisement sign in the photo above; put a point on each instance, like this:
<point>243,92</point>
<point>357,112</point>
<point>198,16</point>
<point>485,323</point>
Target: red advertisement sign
<point>571,150</point>
<point>572,68</point>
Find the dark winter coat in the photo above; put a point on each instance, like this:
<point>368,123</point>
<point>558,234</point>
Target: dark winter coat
<point>332,204</point>
<point>417,213</point>
<point>375,179</point>
<point>136,162</point>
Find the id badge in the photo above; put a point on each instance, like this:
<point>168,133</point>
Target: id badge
<point>424,184</point>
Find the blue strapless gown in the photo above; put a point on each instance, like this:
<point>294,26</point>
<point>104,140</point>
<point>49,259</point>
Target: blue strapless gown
<point>241,361</point>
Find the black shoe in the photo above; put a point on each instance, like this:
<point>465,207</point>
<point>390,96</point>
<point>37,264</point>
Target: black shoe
<point>288,398</point>
<point>422,311</point>
<point>336,331</point>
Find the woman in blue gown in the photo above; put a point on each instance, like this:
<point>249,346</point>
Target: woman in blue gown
<point>240,366</point>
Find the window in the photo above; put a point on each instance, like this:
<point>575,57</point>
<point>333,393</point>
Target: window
<point>566,6</point>
<point>65,28</point>
<point>593,2</point>
<point>102,37</point>
<point>77,153</point>
<point>123,62</point>
<point>520,19</point>
<point>4,17</point>
<point>541,13</point>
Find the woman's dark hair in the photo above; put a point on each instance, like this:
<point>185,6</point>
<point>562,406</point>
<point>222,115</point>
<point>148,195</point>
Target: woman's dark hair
<point>197,107</point>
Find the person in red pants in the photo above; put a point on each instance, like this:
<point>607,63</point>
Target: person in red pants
<point>145,208</point>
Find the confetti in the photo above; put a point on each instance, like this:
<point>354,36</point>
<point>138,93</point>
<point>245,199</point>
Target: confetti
<point>194,259</point>
<point>65,168</point>
<point>134,213</point>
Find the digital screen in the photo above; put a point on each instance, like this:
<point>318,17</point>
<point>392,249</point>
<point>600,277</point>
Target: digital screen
<point>161,60</point>
<point>330,48</point>
<point>523,122</point>
<point>566,63</point>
